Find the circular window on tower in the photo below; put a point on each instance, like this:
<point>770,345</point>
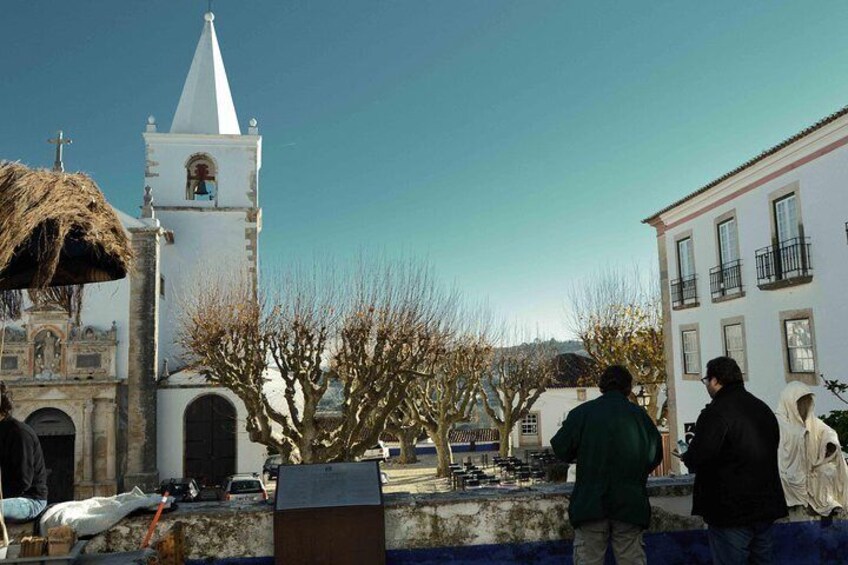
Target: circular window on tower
<point>201,178</point>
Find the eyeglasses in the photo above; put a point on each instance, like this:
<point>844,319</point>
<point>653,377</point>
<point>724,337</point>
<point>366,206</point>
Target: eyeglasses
<point>706,379</point>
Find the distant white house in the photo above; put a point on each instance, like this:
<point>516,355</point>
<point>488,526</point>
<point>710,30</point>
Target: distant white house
<point>754,266</point>
<point>549,412</point>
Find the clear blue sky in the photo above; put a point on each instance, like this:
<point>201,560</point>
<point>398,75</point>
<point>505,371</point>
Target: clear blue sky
<point>514,144</point>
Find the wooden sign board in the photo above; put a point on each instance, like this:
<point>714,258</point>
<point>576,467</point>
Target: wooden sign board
<point>329,513</point>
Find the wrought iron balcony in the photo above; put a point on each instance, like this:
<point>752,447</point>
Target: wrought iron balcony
<point>784,264</point>
<point>726,280</point>
<point>684,292</point>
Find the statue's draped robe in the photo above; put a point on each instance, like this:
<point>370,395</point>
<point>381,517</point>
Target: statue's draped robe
<point>792,458</point>
<point>827,481</point>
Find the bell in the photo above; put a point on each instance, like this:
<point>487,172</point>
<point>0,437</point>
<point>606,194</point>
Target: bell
<point>200,189</point>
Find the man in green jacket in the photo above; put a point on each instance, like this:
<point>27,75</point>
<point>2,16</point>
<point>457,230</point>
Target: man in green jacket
<point>616,446</point>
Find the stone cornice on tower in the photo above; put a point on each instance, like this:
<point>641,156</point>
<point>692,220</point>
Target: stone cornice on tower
<point>206,104</point>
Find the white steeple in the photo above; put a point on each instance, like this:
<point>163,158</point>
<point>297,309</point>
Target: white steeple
<point>206,105</point>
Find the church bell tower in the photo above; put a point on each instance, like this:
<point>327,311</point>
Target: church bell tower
<point>202,184</point>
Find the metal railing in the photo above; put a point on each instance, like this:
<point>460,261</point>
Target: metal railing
<point>789,259</point>
<point>684,291</point>
<point>726,279</point>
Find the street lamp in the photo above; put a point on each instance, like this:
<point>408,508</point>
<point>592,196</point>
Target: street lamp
<point>643,399</point>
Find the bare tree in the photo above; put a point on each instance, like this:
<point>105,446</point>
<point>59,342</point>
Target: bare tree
<point>403,424</point>
<point>369,330</point>
<point>512,384</point>
<point>618,318</point>
<point>225,334</point>
<point>448,396</point>
<point>398,321</point>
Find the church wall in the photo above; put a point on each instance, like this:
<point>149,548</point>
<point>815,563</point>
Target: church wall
<point>205,242</point>
<point>142,361</point>
<point>172,403</point>
<point>104,303</point>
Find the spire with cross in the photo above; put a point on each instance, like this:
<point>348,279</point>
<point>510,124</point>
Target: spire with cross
<point>59,141</point>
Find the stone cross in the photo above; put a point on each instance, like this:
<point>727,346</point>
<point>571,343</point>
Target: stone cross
<point>59,141</point>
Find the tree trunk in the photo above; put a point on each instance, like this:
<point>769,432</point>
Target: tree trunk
<point>505,447</point>
<point>443,455</point>
<point>407,448</point>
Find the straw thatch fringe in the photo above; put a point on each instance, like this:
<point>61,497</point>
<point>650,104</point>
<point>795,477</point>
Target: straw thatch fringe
<point>68,297</point>
<point>11,302</point>
<point>49,219</point>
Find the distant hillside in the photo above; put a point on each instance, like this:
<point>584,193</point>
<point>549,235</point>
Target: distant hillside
<point>570,346</point>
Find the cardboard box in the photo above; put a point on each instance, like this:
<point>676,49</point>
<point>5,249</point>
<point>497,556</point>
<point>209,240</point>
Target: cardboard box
<point>61,539</point>
<point>33,546</point>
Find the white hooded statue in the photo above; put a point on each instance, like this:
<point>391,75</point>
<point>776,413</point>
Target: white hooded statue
<point>812,467</point>
<point>828,477</point>
<point>794,413</point>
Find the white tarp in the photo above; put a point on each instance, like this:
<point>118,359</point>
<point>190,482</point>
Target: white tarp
<point>94,515</point>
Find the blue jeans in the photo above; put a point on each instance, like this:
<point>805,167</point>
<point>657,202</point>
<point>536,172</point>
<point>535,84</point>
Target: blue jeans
<point>22,509</point>
<point>741,546</point>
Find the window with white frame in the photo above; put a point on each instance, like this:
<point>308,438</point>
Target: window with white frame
<point>691,354</point>
<point>685,258</point>
<point>799,345</point>
<point>734,344</point>
<point>530,425</point>
<point>728,242</point>
<point>786,218</point>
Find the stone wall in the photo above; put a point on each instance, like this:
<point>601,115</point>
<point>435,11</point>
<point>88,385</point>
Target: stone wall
<point>484,526</point>
<point>469,518</point>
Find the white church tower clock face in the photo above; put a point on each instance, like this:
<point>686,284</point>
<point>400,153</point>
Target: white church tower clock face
<point>203,178</point>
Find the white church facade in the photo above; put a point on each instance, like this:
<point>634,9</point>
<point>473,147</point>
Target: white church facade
<point>107,392</point>
<point>754,266</point>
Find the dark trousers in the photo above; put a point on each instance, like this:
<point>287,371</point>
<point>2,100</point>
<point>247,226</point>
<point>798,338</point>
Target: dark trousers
<point>742,546</point>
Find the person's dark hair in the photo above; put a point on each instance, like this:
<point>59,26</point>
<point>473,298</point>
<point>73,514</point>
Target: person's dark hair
<point>725,370</point>
<point>616,377</point>
<point>6,405</point>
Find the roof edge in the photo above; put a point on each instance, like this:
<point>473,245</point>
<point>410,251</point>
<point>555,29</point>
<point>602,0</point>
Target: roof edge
<point>651,220</point>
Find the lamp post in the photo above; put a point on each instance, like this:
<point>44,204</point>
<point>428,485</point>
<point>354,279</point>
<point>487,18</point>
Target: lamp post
<point>643,399</point>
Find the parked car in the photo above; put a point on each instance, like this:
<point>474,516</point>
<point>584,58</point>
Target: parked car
<point>245,487</point>
<point>377,452</point>
<point>183,489</point>
<point>271,466</point>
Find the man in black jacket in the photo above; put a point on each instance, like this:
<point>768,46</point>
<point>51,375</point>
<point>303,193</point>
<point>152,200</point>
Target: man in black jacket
<point>24,478</point>
<point>734,457</point>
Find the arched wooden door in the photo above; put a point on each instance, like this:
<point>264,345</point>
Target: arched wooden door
<point>210,439</point>
<point>56,432</point>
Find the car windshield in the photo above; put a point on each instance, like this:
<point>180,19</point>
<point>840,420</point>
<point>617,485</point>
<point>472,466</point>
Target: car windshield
<point>238,487</point>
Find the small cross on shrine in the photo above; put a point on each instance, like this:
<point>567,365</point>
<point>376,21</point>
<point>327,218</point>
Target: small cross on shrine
<point>59,141</point>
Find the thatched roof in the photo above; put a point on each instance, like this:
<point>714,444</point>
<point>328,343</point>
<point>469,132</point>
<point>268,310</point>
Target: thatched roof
<point>57,229</point>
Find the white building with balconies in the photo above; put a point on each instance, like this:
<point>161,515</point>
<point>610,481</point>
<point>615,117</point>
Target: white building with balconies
<point>754,265</point>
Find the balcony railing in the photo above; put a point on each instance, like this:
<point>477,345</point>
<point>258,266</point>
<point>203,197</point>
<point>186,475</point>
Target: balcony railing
<point>726,279</point>
<point>684,292</point>
<point>788,262</point>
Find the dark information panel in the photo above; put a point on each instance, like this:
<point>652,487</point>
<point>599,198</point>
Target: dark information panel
<point>329,514</point>
<point>328,485</point>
